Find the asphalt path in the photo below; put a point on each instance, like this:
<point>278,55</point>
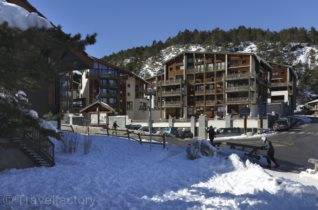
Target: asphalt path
<point>293,148</point>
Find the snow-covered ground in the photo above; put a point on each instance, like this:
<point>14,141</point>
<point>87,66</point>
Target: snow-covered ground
<point>122,174</point>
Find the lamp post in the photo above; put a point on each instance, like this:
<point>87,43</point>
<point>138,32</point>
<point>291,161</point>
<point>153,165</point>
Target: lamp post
<point>150,93</point>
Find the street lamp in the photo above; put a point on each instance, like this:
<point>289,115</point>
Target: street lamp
<point>150,93</point>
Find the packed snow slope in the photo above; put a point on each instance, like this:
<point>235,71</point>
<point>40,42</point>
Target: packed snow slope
<point>122,174</point>
<point>18,17</point>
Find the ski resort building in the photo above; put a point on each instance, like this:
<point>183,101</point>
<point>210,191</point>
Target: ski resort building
<point>121,89</point>
<point>282,99</point>
<point>214,84</point>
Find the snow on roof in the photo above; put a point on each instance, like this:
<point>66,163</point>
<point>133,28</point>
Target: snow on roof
<point>77,72</point>
<point>18,17</point>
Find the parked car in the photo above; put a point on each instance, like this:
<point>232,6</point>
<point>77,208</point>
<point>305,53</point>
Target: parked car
<point>145,130</point>
<point>281,124</point>
<point>133,127</point>
<point>178,133</point>
<point>222,132</point>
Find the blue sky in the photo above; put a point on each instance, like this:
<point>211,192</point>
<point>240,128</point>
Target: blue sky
<point>122,24</point>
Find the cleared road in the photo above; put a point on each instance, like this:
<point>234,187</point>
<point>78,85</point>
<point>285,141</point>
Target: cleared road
<point>293,148</point>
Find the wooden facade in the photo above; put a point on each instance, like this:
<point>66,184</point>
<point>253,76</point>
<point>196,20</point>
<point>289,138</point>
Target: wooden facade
<point>214,84</point>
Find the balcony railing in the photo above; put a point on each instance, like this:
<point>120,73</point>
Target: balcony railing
<point>95,73</point>
<point>172,104</point>
<point>199,92</point>
<point>238,88</point>
<point>171,93</point>
<point>209,91</point>
<point>173,82</point>
<point>207,103</point>
<point>280,84</point>
<point>240,65</point>
<point>238,76</point>
<point>238,100</point>
<point>210,80</point>
<point>219,79</point>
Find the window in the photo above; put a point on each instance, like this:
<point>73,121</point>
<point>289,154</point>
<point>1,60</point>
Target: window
<point>129,105</point>
<point>112,100</point>
<point>112,82</point>
<point>112,92</point>
<point>103,91</point>
<point>103,82</point>
<point>128,94</point>
<point>128,85</point>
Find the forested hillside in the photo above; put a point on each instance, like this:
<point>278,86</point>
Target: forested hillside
<point>293,46</point>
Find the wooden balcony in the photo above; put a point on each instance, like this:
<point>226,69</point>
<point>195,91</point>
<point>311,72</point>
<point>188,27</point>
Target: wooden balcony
<point>171,104</point>
<point>238,76</point>
<point>207,103</point>
<point>233,66</point>
<point>241,88</point>
<point>172,82</point>
<point>281,84</point>
<point>238,100</point>
<point>210,92</point>
<point>199,92</point>
<point>171,93</point>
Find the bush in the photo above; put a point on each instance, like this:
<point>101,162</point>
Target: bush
<point>70,144</point>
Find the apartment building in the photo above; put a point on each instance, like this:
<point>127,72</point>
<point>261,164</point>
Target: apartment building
<point>104,82</point>
<point>282,99</point>
<point>214,84</point>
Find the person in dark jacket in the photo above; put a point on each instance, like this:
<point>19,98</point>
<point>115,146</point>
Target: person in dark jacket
<point>211,133</point>
<point>270,152</point>
<point>115,126</point>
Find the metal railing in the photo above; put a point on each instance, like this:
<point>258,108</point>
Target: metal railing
<point>172,104</point>
<point>136,135</point>
<point>238,100</point>
<point>238,76</point>
<point>169,93</point>
<point>238,88</point>
<point>207,103</point>
<point>40,144</point>
<point>173,82</point>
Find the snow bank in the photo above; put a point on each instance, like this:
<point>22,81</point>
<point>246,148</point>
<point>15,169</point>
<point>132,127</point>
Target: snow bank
<point>245,136</point>
<point>122,174</point>
<point>18,17</point>
<point>50,125</point>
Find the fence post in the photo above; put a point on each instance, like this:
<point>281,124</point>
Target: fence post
<point>107,131</point>
<point>139,138</point>
<point>164,140</point>
<point>128,134</point>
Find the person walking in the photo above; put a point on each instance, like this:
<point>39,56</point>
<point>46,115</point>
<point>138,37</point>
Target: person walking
<point>211,133</point>
<point>270,152</point>
<point>115,126</point>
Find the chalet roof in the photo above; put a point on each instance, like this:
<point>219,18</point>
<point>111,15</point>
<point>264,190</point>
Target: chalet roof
<point>313,102</point>
<point>103,107</point>
<point>123,70</point>
<point>261,60</point>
